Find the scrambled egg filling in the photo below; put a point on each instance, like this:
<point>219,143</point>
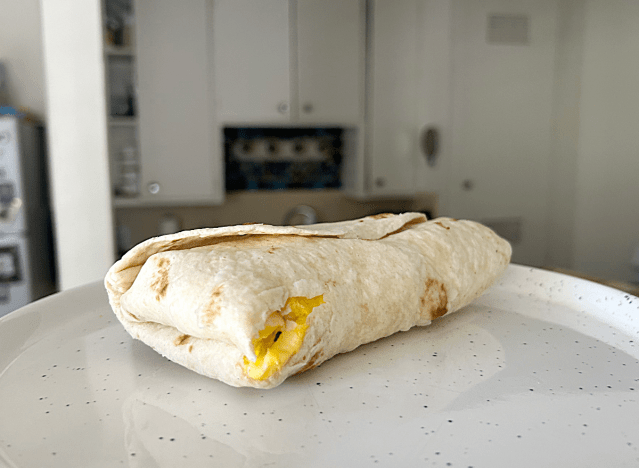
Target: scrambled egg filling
<point>281,337</point>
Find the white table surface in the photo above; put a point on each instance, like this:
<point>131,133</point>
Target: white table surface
<point>543,370</point>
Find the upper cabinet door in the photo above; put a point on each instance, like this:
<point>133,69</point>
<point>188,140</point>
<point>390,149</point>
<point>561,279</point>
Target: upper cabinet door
<point>330,60</point>
<point>392,130</point>
<point>289,61</point>
<point>177,157</point>
<point>251,48</point>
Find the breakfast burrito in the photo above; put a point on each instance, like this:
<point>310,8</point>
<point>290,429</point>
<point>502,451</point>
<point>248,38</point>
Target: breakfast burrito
<point>253,304</point>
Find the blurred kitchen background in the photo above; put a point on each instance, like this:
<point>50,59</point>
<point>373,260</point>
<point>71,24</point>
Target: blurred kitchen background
<point>163,115</point>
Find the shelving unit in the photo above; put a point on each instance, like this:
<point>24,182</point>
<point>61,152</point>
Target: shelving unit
<point>121,79</point>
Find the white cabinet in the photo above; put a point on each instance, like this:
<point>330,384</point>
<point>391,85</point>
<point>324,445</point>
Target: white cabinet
<point>289,61</point>
<point>392,130</point>
<point>395,94</point>
<point>162,142</point>
<point>178,159</point>
<point>330,60</point>
<point>408,94</point>
<point>251,50</point>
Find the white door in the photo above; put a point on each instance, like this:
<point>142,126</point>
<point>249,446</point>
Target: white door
<point>502,81</point>
<point>251,50</point>
<point>330,60</point>
<point>177,141</point>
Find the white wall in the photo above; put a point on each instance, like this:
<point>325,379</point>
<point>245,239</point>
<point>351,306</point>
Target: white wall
<point>77,126</point>
<point>607,185</point>
<point>21,50</point>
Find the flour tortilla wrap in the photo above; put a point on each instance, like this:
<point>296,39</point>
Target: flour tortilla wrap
<point>207,298</point>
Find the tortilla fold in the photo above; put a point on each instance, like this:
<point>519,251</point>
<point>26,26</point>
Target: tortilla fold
<point>251,305</point>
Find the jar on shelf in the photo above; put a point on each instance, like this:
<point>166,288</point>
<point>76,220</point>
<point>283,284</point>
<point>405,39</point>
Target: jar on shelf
<point>129,173</point>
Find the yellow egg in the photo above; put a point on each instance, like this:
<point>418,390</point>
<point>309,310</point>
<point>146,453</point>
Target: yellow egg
<point>281,337</point>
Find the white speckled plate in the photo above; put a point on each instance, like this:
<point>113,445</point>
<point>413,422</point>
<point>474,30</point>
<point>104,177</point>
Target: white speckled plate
<point>543,370</point>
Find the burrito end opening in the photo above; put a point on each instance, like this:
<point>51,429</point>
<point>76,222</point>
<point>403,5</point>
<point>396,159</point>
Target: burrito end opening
<point>281,337</point>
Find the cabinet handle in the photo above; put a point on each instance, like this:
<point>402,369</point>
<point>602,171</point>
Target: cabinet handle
<point>282,107</point>
<point>430,145</point>
<point>153,188</point>
<point>307,108</point>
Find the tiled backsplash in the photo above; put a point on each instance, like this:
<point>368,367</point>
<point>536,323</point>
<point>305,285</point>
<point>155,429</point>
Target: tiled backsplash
<point>282,158</point>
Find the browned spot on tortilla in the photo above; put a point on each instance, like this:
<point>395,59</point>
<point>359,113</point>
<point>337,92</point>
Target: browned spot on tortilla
<point>440,224</point>
<point>134,317</point>
<point>312,363</point>
<point>406,226</point>
<point>382,216</point>
<point>248,224</point>
<point>160,281</point>
<point>213,309</point>
<point>434,302</point>
<point>182,339</point>
<point>190,348</point>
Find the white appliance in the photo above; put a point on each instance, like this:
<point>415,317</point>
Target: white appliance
<point>26,252</point>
